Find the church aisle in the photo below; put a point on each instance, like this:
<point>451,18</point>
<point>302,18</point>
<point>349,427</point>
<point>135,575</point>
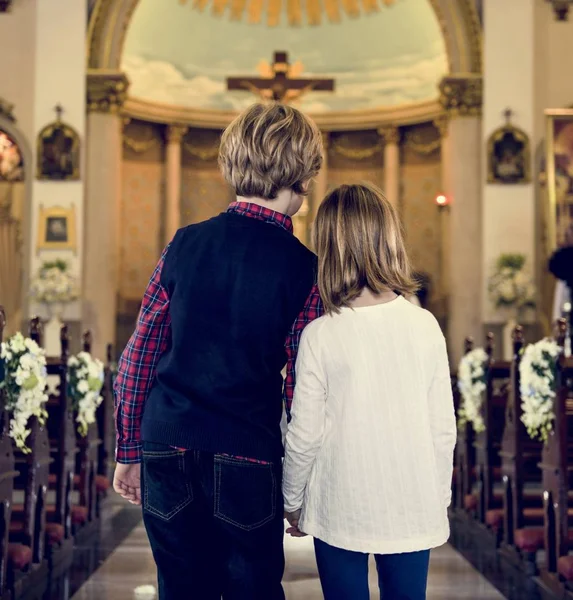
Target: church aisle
<point>129,573</point>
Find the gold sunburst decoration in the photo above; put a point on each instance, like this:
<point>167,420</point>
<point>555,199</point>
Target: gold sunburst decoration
<point>273,11</point>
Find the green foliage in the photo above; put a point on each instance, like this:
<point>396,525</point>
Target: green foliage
<point>515,262</point>
<point>60,264</point>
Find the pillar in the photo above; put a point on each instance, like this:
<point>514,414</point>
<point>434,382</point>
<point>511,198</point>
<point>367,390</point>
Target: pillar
<point>105,96</point>
<point>391,137</point>
<point>175,135</point>
<point>461,97</point>
<point>59,78</point>
<point>508,210</point>
<point>441,124</point>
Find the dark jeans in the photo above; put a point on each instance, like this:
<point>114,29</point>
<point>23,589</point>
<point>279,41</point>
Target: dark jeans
<point>344,574</point>
<point>215,525</point>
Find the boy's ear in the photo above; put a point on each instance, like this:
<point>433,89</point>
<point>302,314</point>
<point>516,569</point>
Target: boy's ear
<point>305,186</point>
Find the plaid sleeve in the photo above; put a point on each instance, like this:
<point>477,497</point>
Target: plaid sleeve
<point>136,368</point>
<point>312,310</point>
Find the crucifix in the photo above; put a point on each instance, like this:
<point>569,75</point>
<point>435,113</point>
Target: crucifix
<point>280,82</point>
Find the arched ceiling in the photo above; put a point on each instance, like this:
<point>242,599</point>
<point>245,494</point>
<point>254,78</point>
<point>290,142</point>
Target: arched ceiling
<point>176,55</point>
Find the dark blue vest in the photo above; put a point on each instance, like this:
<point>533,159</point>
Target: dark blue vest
<point>236,286</point>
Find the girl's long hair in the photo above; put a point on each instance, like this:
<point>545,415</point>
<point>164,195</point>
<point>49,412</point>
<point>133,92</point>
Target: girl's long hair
<point>359,241</point>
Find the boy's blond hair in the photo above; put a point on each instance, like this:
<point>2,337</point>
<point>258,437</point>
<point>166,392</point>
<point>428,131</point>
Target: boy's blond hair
<point>268,148</point>
<point>359,242</point>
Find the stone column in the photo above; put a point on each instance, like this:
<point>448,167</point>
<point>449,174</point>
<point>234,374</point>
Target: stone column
<point>106,92</point>
<point>175,134</point>
<point>461,97</point>
<point>391,137</point>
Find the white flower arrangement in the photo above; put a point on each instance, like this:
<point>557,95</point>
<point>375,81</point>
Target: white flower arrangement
<point>471,383</point>
<point>510,286</point>
<point>24,381</point>
<point>54,284</point>
<point>85,380</point>
<point>537,387</point>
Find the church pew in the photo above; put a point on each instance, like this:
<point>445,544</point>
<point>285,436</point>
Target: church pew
<point>11,555</point>
<point>557,467</point>
<point>106,426</point>
<point>488,442</point>
<point>465,454</point>
<point>88,482</point>
<point>62,514</point>
<point>27,528</point>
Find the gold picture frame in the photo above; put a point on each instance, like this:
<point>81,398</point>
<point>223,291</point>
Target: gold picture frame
<point>58,151</point>
<point>508,156</point>
<point>57,228</point>
<point>556,180</point>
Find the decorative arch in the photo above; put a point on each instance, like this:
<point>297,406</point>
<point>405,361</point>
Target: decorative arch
<point>8,125</point>
<point>459,22</point>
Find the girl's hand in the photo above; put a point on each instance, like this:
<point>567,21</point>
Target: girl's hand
<point>293,519</point>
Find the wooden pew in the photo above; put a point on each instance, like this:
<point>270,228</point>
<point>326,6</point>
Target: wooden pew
<point>7,475</point>
<point>488,442</point>
<point>465,455</point>
<point>88,457</point>
<point>557,467</point>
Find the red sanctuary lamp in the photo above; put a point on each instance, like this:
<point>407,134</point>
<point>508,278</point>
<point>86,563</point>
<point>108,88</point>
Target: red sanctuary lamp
<point>442,201</point>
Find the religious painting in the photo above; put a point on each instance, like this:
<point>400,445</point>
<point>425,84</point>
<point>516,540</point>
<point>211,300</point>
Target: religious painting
<point>11,162</point>
<point>57,228</point>
<point>559,175</point>
<point>509,155</point>
<point>58,151</point>
<point>165,65</point>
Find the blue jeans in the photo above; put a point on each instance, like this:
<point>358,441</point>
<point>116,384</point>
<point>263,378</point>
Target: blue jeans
<point>344,574</point>
<point>215,525</point>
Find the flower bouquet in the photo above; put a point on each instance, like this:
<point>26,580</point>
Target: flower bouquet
<point>537,386</point>
<point>24,382</point>
<point>54,284</point>
<point>471,383</point>
<point>85,380</point>
<point>510,287</point>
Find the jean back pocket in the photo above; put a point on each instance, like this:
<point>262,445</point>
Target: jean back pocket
<point>245,492</point>
<point>166,490</point>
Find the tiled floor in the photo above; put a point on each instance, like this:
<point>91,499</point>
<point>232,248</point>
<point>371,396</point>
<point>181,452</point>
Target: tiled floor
<point>129,573</point>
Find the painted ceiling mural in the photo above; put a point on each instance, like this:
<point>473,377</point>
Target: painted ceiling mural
<point>176,55</point>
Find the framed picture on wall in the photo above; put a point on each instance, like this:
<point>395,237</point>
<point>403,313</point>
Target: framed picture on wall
<point>57,228</point>
<point>557,197</point>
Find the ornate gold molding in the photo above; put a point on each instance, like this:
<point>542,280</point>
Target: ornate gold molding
<point>201,152</point>
<point>175,133</point>
<point>441,124</point>
<point>106,90</point>
<point>140,146</point>
<point>461,95</point>
<point>356,153</point>
<point>418,143</point>
<point>389,134</point>
<point>6,109</point>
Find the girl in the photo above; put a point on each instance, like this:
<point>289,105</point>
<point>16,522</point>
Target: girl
<point>369,450</point>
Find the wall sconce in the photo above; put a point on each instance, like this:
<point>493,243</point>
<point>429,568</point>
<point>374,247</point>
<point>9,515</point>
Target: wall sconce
<point>442,202</point>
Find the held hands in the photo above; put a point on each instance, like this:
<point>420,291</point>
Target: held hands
<point>293,519</point>
<point>127,482</point>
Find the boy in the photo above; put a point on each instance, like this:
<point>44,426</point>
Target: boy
<point>198,392</point>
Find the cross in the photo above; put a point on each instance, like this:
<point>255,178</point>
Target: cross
<point>59,111</point>
<point>507,114</point>
<point>280,87</point>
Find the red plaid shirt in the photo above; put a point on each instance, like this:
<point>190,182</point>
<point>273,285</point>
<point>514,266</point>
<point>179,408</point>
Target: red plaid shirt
<point>152,336</point>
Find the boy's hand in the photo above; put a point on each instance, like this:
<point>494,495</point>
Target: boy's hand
<point>293,519</point>
<point>127,482</point>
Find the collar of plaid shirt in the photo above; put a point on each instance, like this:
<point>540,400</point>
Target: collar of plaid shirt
<point>262,213</point>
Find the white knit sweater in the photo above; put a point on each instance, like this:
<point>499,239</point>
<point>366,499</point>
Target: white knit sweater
<point>369,450</point>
